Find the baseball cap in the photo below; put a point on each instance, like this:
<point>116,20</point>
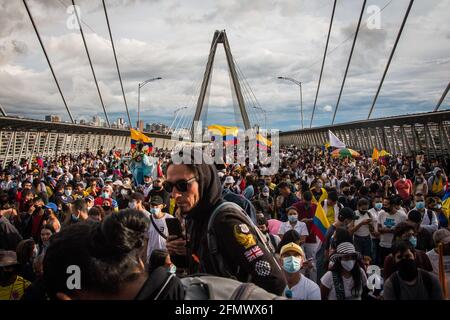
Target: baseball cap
<point>348,213</point>
<point>89,198</point>
<point>52,206</point>
<point>117,183</point>
<point>292,246</point>
<point>156,200</point>
<point>265,191</point>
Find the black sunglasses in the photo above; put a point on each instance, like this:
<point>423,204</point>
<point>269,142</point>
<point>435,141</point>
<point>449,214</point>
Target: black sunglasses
<point>181,185</point>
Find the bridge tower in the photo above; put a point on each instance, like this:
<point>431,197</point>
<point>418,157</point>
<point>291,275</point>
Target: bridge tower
<point>221,37</point>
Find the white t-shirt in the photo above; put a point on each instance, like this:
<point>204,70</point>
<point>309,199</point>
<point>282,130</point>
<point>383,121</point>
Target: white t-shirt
<point>305,289</point>
<point>389,221</point>
<point>375,214</point>
<point>155,241</point>
<point>327,281</point>
<point>364,230</point>
<point>434,259</point>
<point>300,227</point>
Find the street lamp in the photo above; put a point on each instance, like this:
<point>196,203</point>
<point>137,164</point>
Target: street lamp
<point>301,95</point>
<point>139,94</point>
<point>175,115</point>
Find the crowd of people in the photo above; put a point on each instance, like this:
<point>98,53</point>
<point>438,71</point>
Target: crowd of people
<point>139,237</point>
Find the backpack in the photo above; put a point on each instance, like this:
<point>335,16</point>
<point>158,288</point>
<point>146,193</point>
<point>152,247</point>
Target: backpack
<point>217,260</point>
<point>206,287</point>
<point>426,280</point>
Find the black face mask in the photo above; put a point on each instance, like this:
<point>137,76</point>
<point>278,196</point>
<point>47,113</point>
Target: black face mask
<point>386,209</point>
<point>407,269</point>
<point>346,192</point>
<point>106,208</point>
<point>5,275</point>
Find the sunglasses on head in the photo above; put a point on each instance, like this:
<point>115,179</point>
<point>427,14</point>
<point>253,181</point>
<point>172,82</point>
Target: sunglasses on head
<point>181,185</point>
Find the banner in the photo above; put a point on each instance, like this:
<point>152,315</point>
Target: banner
<point>334,141</point>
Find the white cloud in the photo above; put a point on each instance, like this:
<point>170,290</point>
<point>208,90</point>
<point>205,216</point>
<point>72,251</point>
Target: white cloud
<point>327,108</point>
<point>268,38</point>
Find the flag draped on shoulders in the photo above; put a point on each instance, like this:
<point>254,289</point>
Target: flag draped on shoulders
<point>320,223</point>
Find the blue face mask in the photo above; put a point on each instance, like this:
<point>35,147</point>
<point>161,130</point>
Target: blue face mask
<point>292,264</point>
<point>413,241</point>
<point>155,210</point>
<point>172,269</point>
<point>378,206</point>
<point>105,195</point>
<point>420,205</point>
<point>292,218</point>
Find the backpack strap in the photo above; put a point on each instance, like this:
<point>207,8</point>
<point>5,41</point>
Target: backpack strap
<point>396,285</point>
<point>427,281</point>
<point>216,258</point>
<point>338,286</point>
<point>157,229</point>
<point>430,216</point>
<point>164,286</point>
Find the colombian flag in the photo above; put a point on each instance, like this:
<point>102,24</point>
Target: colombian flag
<point>320,223</point>
<point>375,154</point>
<point>262,142</point>
<point>137,136</point>
<point>226,133</point>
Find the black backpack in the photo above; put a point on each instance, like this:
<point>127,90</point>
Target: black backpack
<point>217,260</point>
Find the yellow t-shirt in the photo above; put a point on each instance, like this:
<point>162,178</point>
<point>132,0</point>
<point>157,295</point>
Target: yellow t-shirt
<point>14,291</point>
<point>330,214</point>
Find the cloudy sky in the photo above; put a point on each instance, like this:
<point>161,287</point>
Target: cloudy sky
<point>268,38</point>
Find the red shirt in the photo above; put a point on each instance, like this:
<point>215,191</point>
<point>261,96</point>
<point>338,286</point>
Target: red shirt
<point>302,214</point>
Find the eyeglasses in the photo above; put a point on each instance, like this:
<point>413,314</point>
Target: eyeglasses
<point>181,185</point>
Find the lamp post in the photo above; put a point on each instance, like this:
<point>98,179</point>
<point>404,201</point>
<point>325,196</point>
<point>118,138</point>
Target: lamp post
<point>175,115</point>
<point>301,95</point>
<point>140,85</point>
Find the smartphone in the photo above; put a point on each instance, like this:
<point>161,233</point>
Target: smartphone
<point>174,227</point>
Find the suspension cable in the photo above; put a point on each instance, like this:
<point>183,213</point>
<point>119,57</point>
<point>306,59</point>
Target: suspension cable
<point>48,60</point>
<point>390,57</point>
<point>92,67</point>
<point>349,60</point>
<point>323,63</point>
<point>115,59</point>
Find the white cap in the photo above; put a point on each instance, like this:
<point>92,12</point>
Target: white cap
<point>220,174</point>
<point>118,183</point>
<point>229,180</point>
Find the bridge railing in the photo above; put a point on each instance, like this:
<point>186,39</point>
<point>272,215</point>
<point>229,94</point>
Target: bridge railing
<point>25,139</point>
<point>408,135</point>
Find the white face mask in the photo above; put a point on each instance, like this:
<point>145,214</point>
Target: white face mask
<point>348,264</point>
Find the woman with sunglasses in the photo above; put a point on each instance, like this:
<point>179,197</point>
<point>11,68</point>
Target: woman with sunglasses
<point>197,191</point>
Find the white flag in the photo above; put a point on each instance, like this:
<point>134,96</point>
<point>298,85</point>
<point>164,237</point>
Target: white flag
<point>334,141</point>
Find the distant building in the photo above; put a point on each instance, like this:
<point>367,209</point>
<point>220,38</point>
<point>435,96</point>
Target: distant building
<point>96,121</point>
<point>83,122</point>
<point>158,127</point>
<point>53,118</point>
<point>120,123</point>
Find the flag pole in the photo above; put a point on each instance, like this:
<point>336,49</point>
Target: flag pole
<point>442,277</point>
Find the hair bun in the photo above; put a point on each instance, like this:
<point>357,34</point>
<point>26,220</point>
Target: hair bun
<point>120,233</point>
